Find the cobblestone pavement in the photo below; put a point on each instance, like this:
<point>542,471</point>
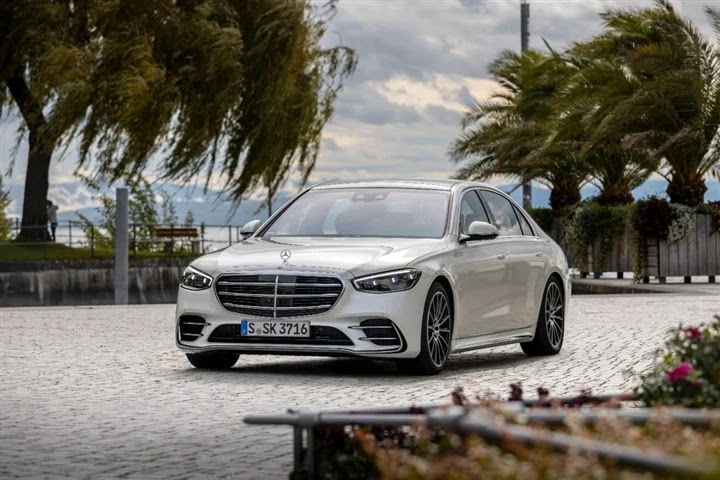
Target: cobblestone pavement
<point>102,392</point>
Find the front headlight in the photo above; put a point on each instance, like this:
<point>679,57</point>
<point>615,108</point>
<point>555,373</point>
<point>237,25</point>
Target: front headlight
<point>194,279</point>
<point>396,281</point>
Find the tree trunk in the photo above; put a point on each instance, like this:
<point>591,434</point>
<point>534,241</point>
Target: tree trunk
<point>34,227</point>
<point>34,222</point>
<point>619,195</point>
<point>562,197</point>
<point>690,193</point>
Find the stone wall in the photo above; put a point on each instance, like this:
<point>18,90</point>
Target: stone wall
<point>87,282</point>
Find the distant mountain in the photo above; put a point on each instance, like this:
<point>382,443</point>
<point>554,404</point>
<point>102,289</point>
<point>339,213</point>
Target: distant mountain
<point>73,198</point>
<point>205,209</point>
<point>541,196</point>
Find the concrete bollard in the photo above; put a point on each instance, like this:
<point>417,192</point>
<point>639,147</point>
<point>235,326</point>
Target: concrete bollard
<point>121,246</point>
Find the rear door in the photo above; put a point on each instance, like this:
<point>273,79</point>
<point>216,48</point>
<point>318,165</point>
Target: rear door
<point>525,258</point>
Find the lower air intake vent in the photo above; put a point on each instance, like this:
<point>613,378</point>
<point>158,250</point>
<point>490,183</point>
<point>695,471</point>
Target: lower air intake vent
<point>230,333</point>
<point>190,327</point>
<point>381,331</point>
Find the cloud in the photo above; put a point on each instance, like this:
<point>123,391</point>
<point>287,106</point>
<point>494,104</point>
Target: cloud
<point>421,63</point>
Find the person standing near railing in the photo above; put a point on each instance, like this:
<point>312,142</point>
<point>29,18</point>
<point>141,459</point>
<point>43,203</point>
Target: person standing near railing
<point>52,217</point>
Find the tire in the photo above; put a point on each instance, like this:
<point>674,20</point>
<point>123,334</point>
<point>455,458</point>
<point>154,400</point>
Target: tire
<point>434,353</point>
<point>550,329</point>
<point>213,360</point>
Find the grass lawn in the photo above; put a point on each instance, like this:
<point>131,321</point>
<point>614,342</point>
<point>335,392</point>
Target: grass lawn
<point>10,252</point>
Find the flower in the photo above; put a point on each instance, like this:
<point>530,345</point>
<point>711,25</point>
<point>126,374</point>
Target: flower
<point>693,332</point>
<point>680,372</point>
<point>516,392</point>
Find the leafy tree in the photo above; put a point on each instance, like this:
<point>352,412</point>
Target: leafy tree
<point>506,135</point>
<point>5,229</point>
<point>169,212</point>
<point>672,105</point>
<point>142,213</point>
<point>189,219</point>
<point>235,89</point>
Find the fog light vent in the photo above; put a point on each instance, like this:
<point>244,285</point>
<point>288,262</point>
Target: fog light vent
<point>381,331</point>
<point>191,327</point>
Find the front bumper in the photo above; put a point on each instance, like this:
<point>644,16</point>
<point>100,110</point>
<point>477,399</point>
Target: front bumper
<point>404,309</point>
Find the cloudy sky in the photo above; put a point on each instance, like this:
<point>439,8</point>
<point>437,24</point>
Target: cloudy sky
<point>420,63</point>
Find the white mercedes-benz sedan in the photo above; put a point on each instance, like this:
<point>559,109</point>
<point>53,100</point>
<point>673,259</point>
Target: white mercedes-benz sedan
<point>410,270</point>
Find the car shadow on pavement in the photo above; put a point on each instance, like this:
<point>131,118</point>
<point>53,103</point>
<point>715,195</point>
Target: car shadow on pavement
<point>367,368</point>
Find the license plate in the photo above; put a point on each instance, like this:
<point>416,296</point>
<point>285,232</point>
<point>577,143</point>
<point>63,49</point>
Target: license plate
<point>253,328</point>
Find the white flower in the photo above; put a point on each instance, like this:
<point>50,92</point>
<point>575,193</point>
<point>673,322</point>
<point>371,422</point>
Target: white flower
<point>682,224</point>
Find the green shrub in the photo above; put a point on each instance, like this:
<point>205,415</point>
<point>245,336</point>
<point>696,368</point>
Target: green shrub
<point>545,217</point>
<point>589,221</point>
<point>5,230</point>
<point>687,370</point>
<point>651,218</point>
<point>712,209</point>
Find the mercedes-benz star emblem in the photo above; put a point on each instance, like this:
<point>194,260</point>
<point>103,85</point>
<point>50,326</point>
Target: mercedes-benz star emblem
<point>285,255</point>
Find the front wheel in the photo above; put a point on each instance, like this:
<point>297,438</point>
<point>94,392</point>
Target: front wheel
<point>550,330</point>
<point>436,335</point>
<point>213,360</point>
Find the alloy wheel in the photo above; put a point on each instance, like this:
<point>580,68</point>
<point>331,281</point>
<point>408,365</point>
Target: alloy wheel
<point>438,329</point>
<point>554,312</point>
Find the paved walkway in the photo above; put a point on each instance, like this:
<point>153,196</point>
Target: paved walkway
<point>98,392</point>
<point>610,284</point>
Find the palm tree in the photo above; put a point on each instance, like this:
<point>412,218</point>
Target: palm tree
<point>505,135</point>
<point>672,105</point>
<point>594,84</point>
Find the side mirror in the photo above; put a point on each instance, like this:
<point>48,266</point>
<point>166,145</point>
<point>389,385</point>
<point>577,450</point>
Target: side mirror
<point>480,231</point>
<point>249,228</point>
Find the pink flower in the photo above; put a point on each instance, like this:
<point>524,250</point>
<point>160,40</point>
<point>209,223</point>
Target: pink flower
<point>680,372</point>
<point>693,332</point>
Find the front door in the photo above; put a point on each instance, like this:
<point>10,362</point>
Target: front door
<point>525,259</point>
<point>481,275</point>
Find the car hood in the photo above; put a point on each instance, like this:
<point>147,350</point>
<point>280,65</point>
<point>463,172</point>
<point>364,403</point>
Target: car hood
<point>359,256</point>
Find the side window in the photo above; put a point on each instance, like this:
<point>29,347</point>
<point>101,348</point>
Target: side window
<point>502,212</point>
<point>471,210</point>
<point>526,229</point>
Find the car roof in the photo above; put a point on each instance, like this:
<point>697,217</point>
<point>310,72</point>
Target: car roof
<point>421,183</point>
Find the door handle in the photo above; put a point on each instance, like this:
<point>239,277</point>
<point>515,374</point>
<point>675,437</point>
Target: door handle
<point>538,254</point>
<point>502,256</point>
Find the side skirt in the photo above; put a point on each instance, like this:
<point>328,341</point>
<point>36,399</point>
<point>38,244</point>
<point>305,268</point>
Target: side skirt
<point>486,341</point>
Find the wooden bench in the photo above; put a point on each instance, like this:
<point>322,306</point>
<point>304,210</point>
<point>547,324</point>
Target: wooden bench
<point>178,232</point>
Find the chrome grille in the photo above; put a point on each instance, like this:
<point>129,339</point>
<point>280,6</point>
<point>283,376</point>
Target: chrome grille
<point>278,296</point>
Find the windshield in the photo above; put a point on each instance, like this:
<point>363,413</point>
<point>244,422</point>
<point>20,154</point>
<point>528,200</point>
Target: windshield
<point>364,212</point>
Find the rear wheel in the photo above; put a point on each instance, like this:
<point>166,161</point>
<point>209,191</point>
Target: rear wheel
<point>550,330</point>
<point>213,360</point>
<point>436,335</point>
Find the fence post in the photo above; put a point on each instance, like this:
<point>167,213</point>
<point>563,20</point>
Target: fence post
<point>121,246</point>
<point>202,237</point>
<point>172,238</point>
<point>70,233</point>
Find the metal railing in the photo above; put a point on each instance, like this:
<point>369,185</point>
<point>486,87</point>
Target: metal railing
<point>96,237</point>
<point>483,422</point>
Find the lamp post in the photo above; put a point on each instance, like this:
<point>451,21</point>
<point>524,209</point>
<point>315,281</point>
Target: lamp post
<point>524,43</point>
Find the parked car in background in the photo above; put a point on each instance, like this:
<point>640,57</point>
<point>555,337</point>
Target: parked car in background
<point>410,270</point>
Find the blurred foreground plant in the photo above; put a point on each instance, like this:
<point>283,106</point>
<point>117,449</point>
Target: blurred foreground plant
<point>687,370</point>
